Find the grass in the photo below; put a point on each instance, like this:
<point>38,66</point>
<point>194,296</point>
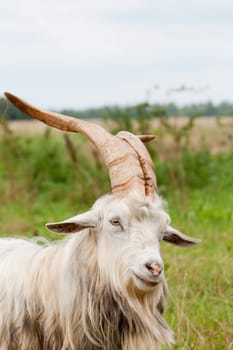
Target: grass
<point>200,279</point>
<point>42,181</point>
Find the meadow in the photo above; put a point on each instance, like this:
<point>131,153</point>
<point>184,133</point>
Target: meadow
<point>48,176</point>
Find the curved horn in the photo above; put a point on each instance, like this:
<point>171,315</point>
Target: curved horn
<point>144,159</point>
<point>124,159</point>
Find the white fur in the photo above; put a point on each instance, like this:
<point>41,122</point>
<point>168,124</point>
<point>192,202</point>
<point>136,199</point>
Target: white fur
<point>59,292</point>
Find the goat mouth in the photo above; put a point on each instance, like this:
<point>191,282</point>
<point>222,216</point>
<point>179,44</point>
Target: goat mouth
<point>148,282</point>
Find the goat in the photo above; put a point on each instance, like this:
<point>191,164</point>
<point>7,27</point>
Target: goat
<point>103,286</point>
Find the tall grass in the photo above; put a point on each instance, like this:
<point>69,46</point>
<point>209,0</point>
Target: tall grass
<point>49,177</point>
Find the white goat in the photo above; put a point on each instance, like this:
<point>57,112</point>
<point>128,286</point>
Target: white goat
<point>103,287</point>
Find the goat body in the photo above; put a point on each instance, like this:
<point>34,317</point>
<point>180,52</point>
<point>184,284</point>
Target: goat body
<point>81,292</point>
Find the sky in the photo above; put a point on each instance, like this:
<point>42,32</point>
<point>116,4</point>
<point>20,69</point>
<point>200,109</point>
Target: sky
<point>90,53</point>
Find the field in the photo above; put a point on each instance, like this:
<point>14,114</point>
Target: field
<point>45,177</point>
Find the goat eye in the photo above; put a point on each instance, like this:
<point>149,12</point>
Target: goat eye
<point>115,222</point>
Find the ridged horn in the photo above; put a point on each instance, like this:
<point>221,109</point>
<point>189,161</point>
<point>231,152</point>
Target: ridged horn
<point>129,163</point>
<point>144,159</point>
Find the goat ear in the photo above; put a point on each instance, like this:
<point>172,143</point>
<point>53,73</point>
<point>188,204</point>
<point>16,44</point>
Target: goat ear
<point>74,224</point>
<point>175,237</point>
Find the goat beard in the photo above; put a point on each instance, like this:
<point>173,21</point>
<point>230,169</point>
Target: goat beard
<point>120,319</point>
<point>114,314</point>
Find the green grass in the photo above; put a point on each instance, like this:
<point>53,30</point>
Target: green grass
<point>41,182</point>
<point>200,279</point>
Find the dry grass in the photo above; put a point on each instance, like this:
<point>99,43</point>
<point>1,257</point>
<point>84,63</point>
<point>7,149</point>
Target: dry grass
<point>210,133</point>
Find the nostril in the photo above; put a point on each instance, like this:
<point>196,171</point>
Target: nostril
<point>154,268</point>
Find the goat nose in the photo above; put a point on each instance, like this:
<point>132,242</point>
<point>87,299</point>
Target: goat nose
<point>154,268</point>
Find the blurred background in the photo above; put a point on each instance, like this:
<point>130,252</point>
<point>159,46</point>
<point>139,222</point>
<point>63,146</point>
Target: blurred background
<point>162,67</point>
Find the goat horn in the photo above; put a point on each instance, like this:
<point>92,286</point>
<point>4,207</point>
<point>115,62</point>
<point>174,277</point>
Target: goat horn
<point>127,159</point>
<point>144,159</point>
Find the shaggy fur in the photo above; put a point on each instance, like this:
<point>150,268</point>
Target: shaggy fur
<point>81,293</point>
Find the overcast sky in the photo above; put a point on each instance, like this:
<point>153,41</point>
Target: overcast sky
<point>86,53</point>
